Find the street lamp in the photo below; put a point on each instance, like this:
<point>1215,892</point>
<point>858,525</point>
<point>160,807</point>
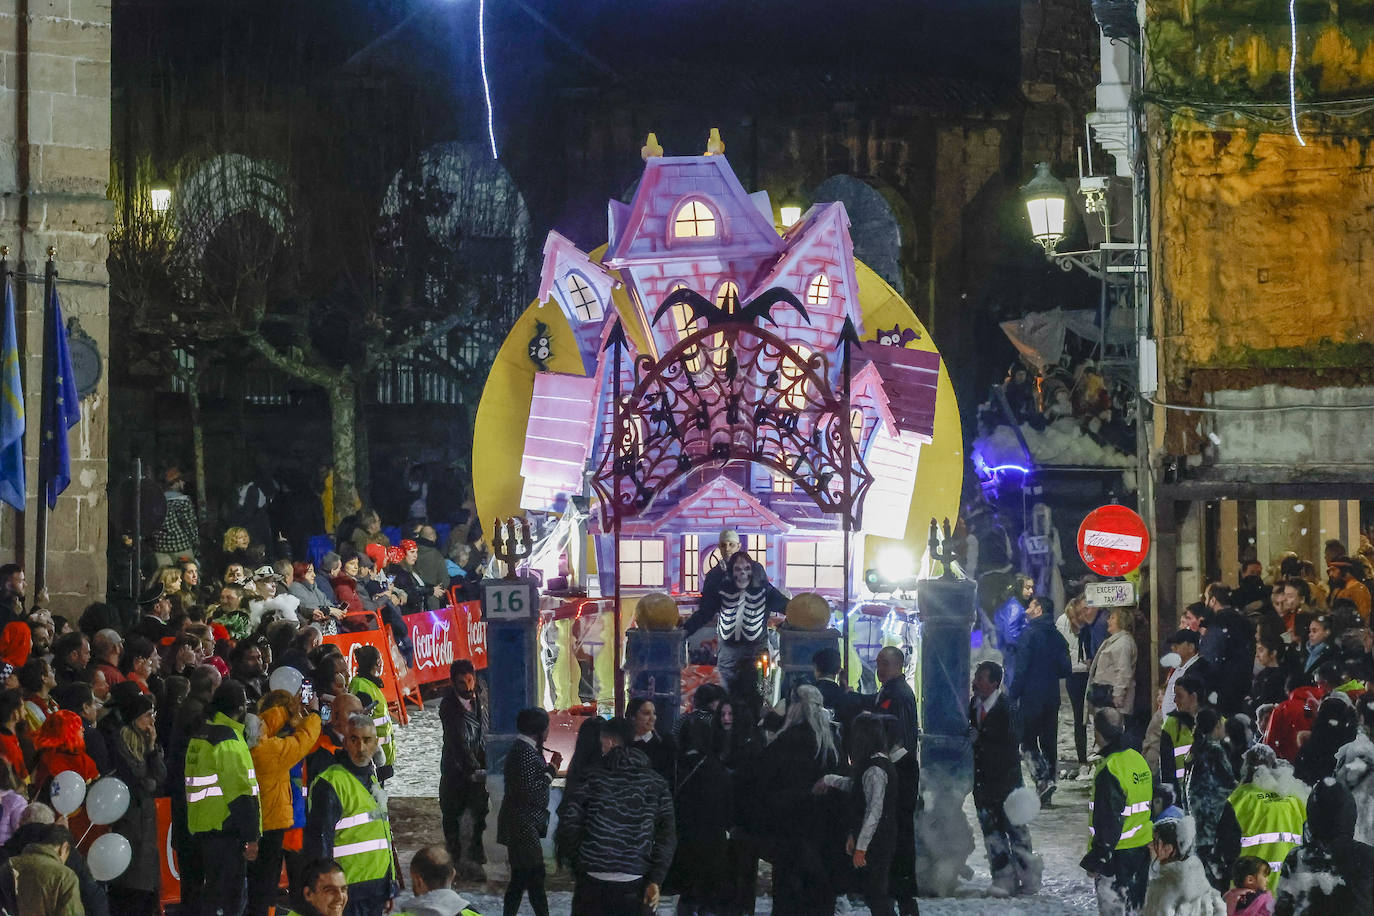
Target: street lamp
<point>161,199</point>
<point>1046,199</point>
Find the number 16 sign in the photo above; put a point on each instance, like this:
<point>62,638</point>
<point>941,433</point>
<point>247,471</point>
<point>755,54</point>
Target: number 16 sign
<point>508,600</point>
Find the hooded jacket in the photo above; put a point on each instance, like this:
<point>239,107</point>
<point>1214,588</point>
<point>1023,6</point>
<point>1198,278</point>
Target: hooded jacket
<point>277,751</point>
<point>440,902</point>
<point>1181,889</point>
<point>1355,771</point>
<point>622,820</point>
<point>1331,873</point>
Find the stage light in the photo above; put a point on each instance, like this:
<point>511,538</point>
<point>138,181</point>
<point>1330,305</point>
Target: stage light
<point>789,215</point>
<point>161,199</point>
<point>895,564</point>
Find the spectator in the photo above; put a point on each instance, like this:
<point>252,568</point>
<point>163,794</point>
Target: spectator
<point>60,746</point>
<point>704,813</point>
<point>37,680</point>
<point>272,598</point>
<point>222,806</point>
<point>996,773</point>
<point>139,763</point>
<point>1111,677</point>
<point>232,612</point>
<point>1267,684</point>
<point>1331,872</point>
<point>288,733</point>
<point>1181,885</point>
<point>316,606</point>
<point>71,653</point>
<point>1355,771</point>
<point>80,699</point>
<point>44,885</point>
<point>106,648</point>
<point>368,531</point>
<point>1118,860</point>
<point>1333,728</point>
<point>367,686</point>
<point>323,890</point>
<point>1228,647</point>
<point>621,831</point>
<point>524,817</point>
<point>347,821</point>
<point>248,666</point>
<point>1074,626</point>
<point>1292,717</point>
<point>431,873</point>
<point>1320,644</point>
<point>1266,813</point>
<point>1345,584</point>
<point>643,718</point>
<point>14,733</point>
<point>1043,657</point>
<point>1184,644</point>
<point>1176,734</point>
<point>156,609</point>
<point>1249,894</point>
<point>1209,783</point>
<point>140,662</point>
<point>463,767</point>
<point>1010,619</point>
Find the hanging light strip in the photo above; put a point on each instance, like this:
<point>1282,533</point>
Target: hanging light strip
<point>1293,70</point>
<point>486,83</point>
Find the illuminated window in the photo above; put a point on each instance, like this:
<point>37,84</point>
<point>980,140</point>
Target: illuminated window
<point>815,564</point>
<point>757,547</point>
<point>818,290</point>
<point>583,297</point>
<point>641,563</point>
<point>793,379</point>
<point>782,481</point>
<point>694,220</point>
<point>856,426</point>
<point>727,300</point>
<point>691,559</point>
<point>685,323</point>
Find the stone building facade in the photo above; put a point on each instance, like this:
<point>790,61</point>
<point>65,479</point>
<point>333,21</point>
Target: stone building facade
<point>54,172</point>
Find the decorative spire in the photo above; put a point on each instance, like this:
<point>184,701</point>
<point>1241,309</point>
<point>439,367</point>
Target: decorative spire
<point>650,148</point>
<point>715,146</point>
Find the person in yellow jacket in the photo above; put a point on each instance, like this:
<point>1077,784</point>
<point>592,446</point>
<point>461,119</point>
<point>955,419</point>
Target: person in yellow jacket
<point>367,686</point>
<point>1264,816</point>
<point>223,814</point>
<point>288,733</point>
<point>348,821</point>
<point>1118,858</point>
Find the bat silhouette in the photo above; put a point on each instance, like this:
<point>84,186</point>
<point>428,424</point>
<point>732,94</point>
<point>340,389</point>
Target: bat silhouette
<point>748,313</point>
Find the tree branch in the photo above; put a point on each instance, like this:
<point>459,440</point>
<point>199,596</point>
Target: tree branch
<point>315,375</point>
<point>377,356</point>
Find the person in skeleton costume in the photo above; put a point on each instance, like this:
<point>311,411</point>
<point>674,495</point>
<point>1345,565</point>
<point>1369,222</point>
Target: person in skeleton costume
<point>1041,559</point>
<point>746,602</point>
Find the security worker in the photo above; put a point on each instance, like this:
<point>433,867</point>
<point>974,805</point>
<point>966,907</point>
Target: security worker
<point>223,813</point>
<point>367,686</point>
<point>1176,734</point>
<point>431,880</point>
<point>1261,818</point>
<point>348,821</point>
<point>1118,857</point>
<point>323,890</point>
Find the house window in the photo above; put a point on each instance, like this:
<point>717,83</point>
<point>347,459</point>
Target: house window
<point>856,427</point>
<point>685,323</point>
<point>793,379</point>
<point>815,564</point>
<point>727,297</point>
<point>694,220</point>
<point>818,290</point>
<point>782,481</point>
<point>582,297</point>
<point>641,563</point>
<point>757,547</point>
<point>691,560</point>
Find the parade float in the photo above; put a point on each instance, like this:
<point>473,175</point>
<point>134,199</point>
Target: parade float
<point>767,381</point>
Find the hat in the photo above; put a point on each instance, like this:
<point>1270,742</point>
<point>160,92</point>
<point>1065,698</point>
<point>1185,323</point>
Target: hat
<point>1182,636</point>
<point>377,553</point>
<point>16,641</point>
<point>152,594</point>
<point>263,573</point>
<point>408,545</point>
<point>135,706</point>
<point>396,554</point>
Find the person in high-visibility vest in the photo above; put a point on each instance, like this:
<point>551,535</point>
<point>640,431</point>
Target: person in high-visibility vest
<point>1118,857</point>
<point>1265,815</point>
<point>431,874</point>
<point>348,821</point>
<point>323,890</point>
<point>223,812</point>
<point>367,686</point>
<point>1176,734</point>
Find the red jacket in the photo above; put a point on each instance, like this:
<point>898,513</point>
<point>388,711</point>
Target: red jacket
<point>61,745</point>
<point>11,751</point>
<point>1293,715</point>
<point>346,590</point>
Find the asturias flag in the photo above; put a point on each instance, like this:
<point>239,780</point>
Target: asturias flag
<point>11,410</point>
<point>62,407</point>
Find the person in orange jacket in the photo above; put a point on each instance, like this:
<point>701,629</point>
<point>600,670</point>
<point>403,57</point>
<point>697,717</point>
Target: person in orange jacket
<point>288,733</point>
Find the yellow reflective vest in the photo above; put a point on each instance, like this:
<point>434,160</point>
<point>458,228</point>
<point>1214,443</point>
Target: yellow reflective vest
<point>362,834</point>
<point>219,770</point>
<point>366,691</point>
<point>1181,737</point>
<point>1270,824</point>
<point>1132,773</point>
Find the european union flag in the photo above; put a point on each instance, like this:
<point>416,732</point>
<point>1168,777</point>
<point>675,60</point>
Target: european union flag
<point>11,410</point>
<point>62,405</point>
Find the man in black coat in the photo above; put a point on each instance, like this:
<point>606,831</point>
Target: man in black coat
<point>895,698</point>
<point>843,704</point>
<point>1331,872</point>
<point>524,817</point>
<point>996,772</point>
<point>1228,647</point>
<point>463,768</point>
<point>1042,662</point>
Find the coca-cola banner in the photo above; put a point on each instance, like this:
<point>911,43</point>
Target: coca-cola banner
<point>442,637</point>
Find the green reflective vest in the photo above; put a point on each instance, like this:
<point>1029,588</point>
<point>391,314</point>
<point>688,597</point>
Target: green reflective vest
<point>1132,773</point>
<point>465,911</point>
<point>219,770</point>
<point>1270,824</point>
<point>1182,737</point>
<point>362,834</point>
<point>365,690</point>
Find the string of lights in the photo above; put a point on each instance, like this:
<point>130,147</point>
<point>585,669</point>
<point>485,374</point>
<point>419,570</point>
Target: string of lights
<point>1293,70</point>
<point>486,83</point>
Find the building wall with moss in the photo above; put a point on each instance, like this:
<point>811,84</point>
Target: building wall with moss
<point>1263,248</point>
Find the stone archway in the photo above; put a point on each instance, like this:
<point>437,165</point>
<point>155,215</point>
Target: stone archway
<point>879,232</point>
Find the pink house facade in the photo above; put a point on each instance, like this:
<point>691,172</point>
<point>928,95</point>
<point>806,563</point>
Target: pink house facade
<point>692,224</point>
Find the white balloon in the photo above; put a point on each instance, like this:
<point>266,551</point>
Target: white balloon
<point>286,678</point>
<point>109,857</point>
<point>68,791</point>
<point>107,800</point>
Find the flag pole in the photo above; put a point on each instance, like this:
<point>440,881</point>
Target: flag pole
<point>41,534</point>
<point>5,278</point>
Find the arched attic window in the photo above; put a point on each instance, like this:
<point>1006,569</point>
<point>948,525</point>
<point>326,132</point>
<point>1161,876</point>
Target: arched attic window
<point>694,220</point>
<point>582,298</point>
<point>818,291</point>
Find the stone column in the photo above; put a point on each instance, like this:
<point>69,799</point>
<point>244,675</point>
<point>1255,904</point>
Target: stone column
<point>54,172</point>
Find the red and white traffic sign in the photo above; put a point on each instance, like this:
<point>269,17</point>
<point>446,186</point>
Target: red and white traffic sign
<point>1113,540</point>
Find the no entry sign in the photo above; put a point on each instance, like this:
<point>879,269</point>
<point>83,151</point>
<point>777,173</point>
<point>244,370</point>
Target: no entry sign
<point>1113,540</point>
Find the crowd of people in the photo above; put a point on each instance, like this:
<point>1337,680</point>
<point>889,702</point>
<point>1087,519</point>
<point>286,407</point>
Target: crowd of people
<point>1250,778</point>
